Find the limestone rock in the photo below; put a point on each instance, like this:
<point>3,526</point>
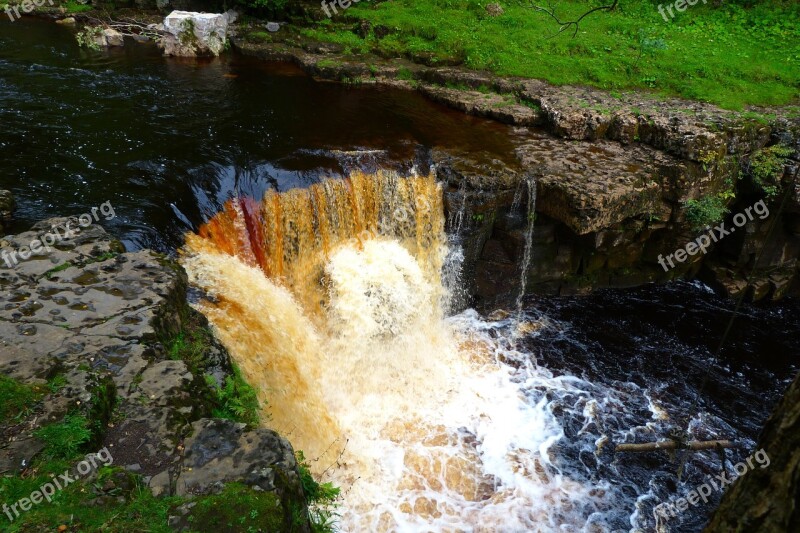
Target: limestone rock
<point>192,34</point>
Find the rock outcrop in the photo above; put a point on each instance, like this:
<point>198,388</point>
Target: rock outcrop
<point>191,34</point>
<point>6,209</point>
<point>613,177</point>
<point>104,321</point>
<point>768,499</point>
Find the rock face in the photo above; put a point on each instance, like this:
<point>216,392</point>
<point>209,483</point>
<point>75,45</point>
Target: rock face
<point>6,209</point>
<point>103,320</point>
<point>195,34</point>
<point>109,37</point>
<point>768,499</point>
<point>613,175</point>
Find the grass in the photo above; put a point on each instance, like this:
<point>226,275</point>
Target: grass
<point>65,439</point>
<point>16,398</point>
<point>726,55</point>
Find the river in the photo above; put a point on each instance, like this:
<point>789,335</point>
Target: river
<point>503,414</point>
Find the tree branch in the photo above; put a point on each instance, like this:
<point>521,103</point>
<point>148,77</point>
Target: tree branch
<point>565,24</point>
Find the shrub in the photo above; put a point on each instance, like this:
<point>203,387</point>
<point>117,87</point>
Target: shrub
<point>766,168</point>
<point>705,211</point>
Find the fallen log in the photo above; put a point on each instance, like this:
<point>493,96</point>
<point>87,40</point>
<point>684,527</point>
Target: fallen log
<point>695,445</point>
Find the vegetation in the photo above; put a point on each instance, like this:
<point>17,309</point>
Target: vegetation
<point>88,37</point>
<point>72,6</point>
<point>705,211</point>
<point>766,168</point>
<point>729,55</point>
<point>16,398</point>
<point>236,399</point>
<point>321,499</point>
<point>65,439</point>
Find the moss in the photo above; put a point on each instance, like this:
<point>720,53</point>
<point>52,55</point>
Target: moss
<point>259,37</point>
<point>16,398</point>
<point>237,508</point>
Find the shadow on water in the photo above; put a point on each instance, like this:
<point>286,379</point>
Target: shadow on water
<point>167,141</point>
<point>644,354</point>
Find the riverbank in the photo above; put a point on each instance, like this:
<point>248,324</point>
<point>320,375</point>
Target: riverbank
<point>642,177</point>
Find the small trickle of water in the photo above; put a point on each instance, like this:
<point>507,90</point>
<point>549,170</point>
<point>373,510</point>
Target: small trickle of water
<point>528,253</point>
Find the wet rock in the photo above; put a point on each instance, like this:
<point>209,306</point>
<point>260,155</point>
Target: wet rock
<point>220,452</point>
<point>192,34</point>
<point>100,318</point>
<point>7,205</point>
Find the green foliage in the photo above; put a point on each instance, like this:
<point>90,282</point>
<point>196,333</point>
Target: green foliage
<point>87,38</point>
<point>237,508</point>
<point>16,398</point>
<point>728,55</point>
<point>259,36</point>
<point>190,345</point>
<point>65,439</point>
<point>321,499</point>
<point>766,168</point>
<point>705,211</point>
<point>236,399</point>
<point>138,510</point>
<point>72,6</point>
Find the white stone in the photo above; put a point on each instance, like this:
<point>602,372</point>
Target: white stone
<point>192,34</point>
<point>273,26</point>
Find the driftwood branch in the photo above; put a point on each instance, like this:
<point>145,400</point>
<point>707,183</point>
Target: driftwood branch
<point>127,26</point>
<point>694,445</point>
<point>566,24</point>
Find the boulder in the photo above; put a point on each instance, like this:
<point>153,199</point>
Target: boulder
<point>192,34</point>
<point>6,208</point>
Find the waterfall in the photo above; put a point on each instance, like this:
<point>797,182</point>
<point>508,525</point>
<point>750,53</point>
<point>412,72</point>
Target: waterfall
<point>331,300</point>
<point>527,256</point>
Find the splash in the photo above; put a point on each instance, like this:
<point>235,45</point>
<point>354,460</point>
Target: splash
<point>331,300</point>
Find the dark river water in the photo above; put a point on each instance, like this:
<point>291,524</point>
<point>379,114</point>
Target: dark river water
<point>167,142</point>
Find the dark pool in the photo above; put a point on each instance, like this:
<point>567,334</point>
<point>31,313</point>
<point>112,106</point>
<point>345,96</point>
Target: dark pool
<point>167,141</point>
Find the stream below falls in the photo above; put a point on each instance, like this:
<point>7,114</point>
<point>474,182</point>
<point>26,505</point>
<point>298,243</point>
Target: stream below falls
<point>435,418</point>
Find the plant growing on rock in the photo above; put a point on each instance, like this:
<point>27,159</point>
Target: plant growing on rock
<point>766,167</point>
<point>705,211</point>
<point>321,498</point>
<point>89,37</point>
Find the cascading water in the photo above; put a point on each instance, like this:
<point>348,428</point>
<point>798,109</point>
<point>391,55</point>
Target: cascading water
<point>331,299</point>
<point>527,256</point>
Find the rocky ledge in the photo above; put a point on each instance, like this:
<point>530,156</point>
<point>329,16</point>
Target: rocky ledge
<point>621,179</point>
<point>98,334</point>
